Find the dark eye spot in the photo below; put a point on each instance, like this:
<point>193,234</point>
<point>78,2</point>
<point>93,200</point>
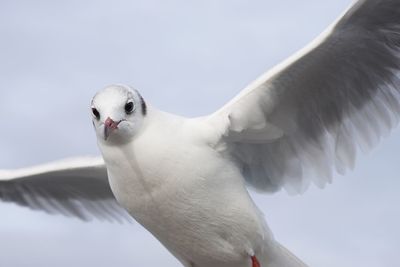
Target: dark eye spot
<point>129,107</point>
<point>96,113</point>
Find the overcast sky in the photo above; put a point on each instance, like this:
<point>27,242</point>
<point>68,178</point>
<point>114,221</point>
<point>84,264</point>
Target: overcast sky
<point>186,57</point>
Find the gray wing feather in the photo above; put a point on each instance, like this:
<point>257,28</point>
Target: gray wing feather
<point>309,116</point>
<point>75,187</point>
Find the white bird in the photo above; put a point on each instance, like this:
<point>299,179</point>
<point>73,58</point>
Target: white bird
<point>184,179</point>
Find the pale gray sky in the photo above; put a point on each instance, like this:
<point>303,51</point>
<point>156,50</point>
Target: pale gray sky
<point>185,57</point>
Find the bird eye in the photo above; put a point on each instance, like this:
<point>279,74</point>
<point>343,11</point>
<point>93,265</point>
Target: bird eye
<point>96,113</point>
<point>129,107</point>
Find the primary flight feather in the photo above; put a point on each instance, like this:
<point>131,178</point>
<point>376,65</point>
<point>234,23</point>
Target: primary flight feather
<point>184,179</point>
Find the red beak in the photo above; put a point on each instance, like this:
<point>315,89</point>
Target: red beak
<point>109,126</point>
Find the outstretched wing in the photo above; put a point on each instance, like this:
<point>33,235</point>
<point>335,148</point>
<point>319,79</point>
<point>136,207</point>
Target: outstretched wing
<point>307,116</point>
<point>74,187</point>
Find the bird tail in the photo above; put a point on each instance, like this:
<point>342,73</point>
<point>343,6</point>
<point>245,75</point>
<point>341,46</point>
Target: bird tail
<point>280,256</point>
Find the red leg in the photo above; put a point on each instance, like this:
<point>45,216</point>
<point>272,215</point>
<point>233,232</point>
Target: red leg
<point>255,262</point>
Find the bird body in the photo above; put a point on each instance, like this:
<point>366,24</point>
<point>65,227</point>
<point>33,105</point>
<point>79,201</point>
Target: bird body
<point>159,177</point>
<point>171,179</point>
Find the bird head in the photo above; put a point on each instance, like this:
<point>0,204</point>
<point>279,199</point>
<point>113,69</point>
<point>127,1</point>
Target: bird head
<point>117,113</point>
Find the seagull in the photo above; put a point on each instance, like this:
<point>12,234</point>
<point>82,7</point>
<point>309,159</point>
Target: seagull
<point>185,179</point>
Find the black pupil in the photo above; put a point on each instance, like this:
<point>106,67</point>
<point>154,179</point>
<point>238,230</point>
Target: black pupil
<point>96,113</point>
<point>129,107</point>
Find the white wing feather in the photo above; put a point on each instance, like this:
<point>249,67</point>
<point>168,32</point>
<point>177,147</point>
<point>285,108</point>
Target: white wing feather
<point>307,116</point>
<point>73,187</point>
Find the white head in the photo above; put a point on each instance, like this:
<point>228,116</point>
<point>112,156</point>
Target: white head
<point>117,113</point>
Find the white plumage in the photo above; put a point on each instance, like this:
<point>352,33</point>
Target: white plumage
<point>184,179</point>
